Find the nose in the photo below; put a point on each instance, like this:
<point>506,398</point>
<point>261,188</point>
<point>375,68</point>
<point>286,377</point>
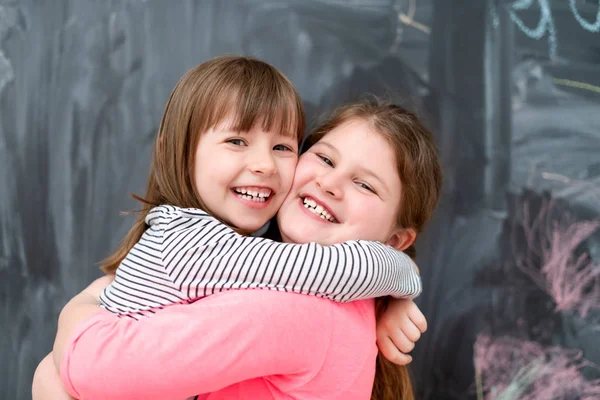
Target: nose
<point>329,183</point>
<point>261,162</point>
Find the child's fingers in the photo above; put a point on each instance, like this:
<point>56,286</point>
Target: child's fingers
<point>401,341</point>
<point>411,332</point>
<point>391,352</point>
<point>417,317</point>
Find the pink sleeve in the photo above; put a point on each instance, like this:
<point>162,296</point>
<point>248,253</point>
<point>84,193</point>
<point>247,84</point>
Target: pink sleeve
<point>202,347</point>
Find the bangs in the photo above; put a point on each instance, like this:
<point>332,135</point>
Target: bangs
<point>269,101</point>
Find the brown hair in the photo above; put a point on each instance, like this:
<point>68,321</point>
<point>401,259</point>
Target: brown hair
<point>421,176</point>
<point>248,90</point>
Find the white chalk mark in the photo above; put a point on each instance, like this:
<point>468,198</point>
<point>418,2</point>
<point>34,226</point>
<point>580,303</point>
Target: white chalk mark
<point>408,19</point>
<point>565,180</point>
<point>494,14</point>
<point>555,177</point>
<point>417,25</point>
<point>595,27</point>
<point>545,25</point>
<point>7,20</point>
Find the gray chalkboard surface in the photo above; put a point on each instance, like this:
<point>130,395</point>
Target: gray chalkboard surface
<point>511,89</point>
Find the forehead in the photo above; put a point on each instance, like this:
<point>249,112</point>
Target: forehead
<point>358,141</point>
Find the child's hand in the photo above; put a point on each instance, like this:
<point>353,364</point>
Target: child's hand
<point>398,329</point>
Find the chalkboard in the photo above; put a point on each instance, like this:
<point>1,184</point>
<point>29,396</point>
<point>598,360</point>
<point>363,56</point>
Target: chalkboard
<point>511,90</point>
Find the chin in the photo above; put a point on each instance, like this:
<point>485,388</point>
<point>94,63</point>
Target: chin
<point>303,236</point>
<point>249,226</point>
<point>290,236</point>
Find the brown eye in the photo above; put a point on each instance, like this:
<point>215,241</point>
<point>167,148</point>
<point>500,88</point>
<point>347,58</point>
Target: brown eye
<point>326,160</point>
<point>282,147</point>
<point>237,142</point>
<point>365,186</point>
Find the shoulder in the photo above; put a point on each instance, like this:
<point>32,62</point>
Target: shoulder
<point>168,211</point>
<point>166,215</point>
<point>298,328</point>
<point>300,316</point>
<point>293,307</point>
<point>289,316</point>
<point>275,303</point>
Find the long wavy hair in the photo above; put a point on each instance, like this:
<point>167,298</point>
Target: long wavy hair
<point>421,176</point>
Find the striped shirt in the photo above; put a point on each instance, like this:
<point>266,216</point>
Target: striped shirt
<point>186,254</point>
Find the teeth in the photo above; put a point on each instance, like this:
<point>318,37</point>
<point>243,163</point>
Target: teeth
<point>317,209</point>
<point>251,198</point>
<point>260,195</point>
<point>310,203</point>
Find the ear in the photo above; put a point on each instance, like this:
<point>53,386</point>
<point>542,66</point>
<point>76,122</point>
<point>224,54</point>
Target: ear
<point>402,239</point>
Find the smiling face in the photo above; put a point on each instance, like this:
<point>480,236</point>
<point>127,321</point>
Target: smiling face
<point>346,187</point>
<point>243,177</point>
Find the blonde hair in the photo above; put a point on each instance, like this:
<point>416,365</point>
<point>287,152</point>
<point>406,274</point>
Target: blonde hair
<point>421,176</point>
<point>247,90</point>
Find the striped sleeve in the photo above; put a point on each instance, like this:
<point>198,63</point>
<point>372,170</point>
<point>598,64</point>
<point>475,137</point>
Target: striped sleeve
<point>206,258</point>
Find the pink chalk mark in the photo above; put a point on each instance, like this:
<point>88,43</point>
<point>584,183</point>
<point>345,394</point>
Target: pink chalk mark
<point>573,282</point>
<point>510,368</point>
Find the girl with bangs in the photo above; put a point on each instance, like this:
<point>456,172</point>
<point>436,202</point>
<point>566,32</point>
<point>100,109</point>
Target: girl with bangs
<point>224,163</point>
<point>218,179</point>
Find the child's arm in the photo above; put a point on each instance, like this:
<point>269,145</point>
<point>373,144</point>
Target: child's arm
<point>349,271</point>
<point>179,352</point>
<point>75,311</point>
<point>204,256</point>
<point>46,382</point>
<point>398,329</point>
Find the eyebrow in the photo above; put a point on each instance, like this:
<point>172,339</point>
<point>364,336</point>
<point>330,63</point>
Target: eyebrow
<point>331,147</point>
<point>362,169</point>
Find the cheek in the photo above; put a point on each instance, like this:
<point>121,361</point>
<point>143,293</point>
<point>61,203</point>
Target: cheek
<point>287,169</point>
<point>305,172</point>
<point>199,172</point>
<point>205,173</point>
<point>203,164</point>
<point>370,219</point>
<point>363,215</point>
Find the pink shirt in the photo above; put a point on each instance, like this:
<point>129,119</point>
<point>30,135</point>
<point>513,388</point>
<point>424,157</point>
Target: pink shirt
<point>244,344</point>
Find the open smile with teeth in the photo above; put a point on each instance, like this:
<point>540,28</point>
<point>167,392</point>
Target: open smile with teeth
<point>317,209</point>
<point>253,193</point>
